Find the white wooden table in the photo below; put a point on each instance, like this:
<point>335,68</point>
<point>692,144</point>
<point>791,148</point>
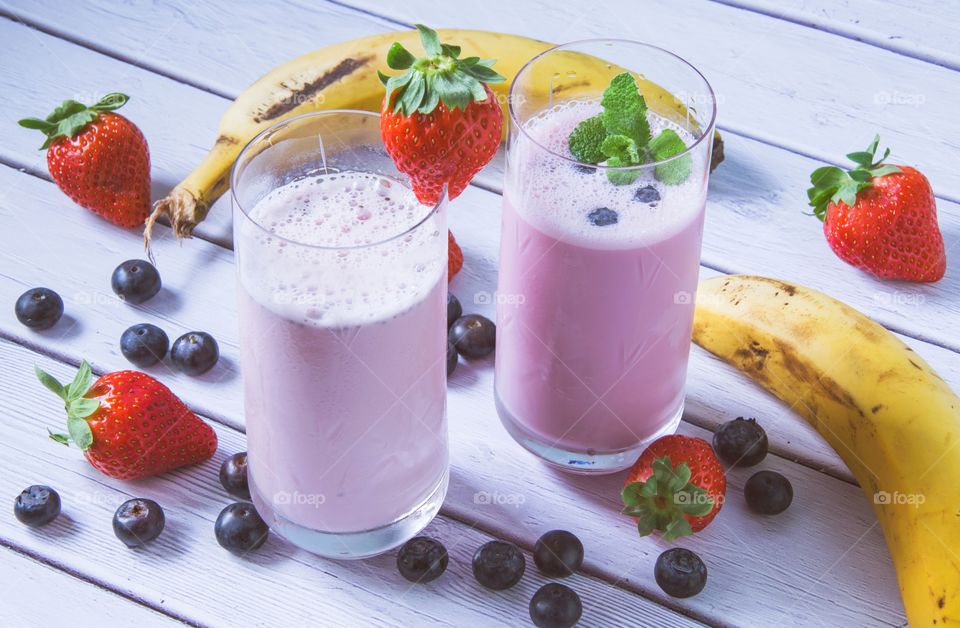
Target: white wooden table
<point>800,83</point>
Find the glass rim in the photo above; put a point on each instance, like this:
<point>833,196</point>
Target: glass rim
<point>708,130</point>
<point>276,126</point>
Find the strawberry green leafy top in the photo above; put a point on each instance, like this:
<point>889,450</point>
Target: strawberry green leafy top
<point>833,185</point>
<point>620,136</point>
<point>71,116</point>
<point>440,76</point>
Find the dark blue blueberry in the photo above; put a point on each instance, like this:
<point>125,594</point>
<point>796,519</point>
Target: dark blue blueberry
<point>144,344</point>
<point>680,572</point>
<point>647,194</point>
<point>39,308</point>
<point>768,493</point>
<point>233,475</point>
<point>741,442</point>
<point>422,559</point>
<point>498,565</point>
<point>135,281</point>
<point>37,505</point>
<point>454,309</point>
<point>603,216</point>
<point>452,358</point>
<point>240,529</point>
<point>555,605</point>
<point>558,554</point>
<point>584,168</point>
<point>473,335</point>
<point>138,521</point>
<point>195,352</point>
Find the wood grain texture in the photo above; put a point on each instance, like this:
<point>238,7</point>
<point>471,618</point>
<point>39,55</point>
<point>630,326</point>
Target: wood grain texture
<point>782,83</point>
<point>923,29</point>
<point>35,594</point>
<point>756,220</point>
<point>487,464</point>
<point>187,572</point>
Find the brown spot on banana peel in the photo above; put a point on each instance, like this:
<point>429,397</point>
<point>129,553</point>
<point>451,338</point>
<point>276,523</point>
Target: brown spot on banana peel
<point>311,89</point>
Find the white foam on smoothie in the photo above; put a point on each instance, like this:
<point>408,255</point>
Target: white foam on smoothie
<point>283,267</point>
<point>552,195</point>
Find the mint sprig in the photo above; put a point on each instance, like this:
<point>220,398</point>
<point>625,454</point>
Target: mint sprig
<point>440,76</point>
<point>620,136</point>
<point>830,184</point>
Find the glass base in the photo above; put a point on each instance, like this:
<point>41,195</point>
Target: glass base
<point>582,462</point>
<point>363,544</point>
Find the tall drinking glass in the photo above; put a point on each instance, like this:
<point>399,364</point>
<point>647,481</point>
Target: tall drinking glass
<point>597,280</point>
<point>342,302</point>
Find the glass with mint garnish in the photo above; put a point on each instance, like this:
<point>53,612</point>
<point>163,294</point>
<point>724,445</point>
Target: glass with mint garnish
<point>608,158</point>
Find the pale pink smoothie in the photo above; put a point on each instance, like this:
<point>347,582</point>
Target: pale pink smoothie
<point>345,401</point>
<point>595,315</point>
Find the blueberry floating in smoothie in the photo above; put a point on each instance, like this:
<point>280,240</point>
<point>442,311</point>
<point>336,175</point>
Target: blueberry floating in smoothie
<point>603,216</point>
<point>647,194</point>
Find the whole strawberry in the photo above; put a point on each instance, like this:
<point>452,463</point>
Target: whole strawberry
<point>677,486</point>
<point>454,257</point>
<point>98,158</point>
<point>440,122</point>
<point>880,218</point>
<point>129,425</point>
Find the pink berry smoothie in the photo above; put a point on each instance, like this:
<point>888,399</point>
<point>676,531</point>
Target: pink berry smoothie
<point>595,308</point>
<point>343,355</point>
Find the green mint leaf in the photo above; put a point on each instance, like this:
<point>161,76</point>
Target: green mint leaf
<point>625,110</point>
<point>50,382</point>
<point>398,57</point>
<point>430,40</point>
<point>586,139</point>
<point>621,147</point>
<point>665,146</point>
<point>621,177</point>
<point>80,432</point>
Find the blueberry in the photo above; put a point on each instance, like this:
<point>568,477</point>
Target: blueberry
<point>138,521</point>
<point>422,559</point>
<point>233,475</point>
<point>454,309</point>
<point>558,553</point>
<point>680,572</point>
<point>240,529</point>
<point>555,605</point>
<point>768,493</point>
<point>144,344</point>
<point>647,194</point>
<point>584,168</point>
<point>135,281</point>
<point>498,565</point>
<point>473,335</point>
<point>37,505</point>
<point>741,442</point>
<point>603,216</point>
<point>39,308</point>
<point>195,352</point>
<point>452,358</point>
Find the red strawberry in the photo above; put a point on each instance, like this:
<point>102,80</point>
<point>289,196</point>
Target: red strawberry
<point>98,158</point>
<point>880,218</point>
<point>454,256</point>
<point>677,486</point>
<point>440,123</point>
<point>129,425</point>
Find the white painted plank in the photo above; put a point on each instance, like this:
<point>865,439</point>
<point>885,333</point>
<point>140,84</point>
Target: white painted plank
<point>200,279</point>
<point>755,220</point>
<point>784,83</point>
<point>38,595</point>
<point>278,585</point>
<point>925,29</point>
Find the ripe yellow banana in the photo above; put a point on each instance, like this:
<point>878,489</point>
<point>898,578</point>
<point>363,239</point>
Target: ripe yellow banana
<point>891,418</point>
<point>343,76</point>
